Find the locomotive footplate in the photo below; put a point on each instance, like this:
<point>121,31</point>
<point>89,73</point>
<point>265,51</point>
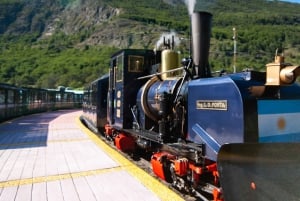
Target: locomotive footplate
<point>191,151</point>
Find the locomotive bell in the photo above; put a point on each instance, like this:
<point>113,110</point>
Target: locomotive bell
<point>169,61</point>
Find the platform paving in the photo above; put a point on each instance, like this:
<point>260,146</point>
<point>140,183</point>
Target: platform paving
<point>50,156</point>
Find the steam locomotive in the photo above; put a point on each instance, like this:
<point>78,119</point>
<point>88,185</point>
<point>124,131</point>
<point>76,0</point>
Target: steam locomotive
<point>229,137</point>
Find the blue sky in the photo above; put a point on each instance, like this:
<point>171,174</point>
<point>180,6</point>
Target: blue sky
<point>295,1</point>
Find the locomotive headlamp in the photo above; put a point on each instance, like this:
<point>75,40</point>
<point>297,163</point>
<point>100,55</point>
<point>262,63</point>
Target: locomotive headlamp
<point>280,73</point>
<point>289,74</point>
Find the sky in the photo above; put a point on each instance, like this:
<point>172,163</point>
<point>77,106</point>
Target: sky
<point>294,1</point>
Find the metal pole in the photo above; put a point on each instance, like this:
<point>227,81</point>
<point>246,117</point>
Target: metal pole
<point>234,49</point>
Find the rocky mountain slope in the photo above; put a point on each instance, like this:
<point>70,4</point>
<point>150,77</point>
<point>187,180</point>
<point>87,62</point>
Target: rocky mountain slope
<point>97,20</point>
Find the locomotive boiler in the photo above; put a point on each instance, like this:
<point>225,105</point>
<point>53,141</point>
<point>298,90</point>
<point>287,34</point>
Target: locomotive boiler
<point>201,128</point>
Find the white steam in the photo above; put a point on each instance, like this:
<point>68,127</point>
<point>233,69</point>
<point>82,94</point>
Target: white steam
<point>167,36</point>
<point>191,5</point>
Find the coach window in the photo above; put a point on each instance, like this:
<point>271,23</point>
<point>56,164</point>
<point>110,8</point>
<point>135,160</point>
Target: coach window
<point>21,96</point>
<point>10,97</point>
<point>58,97</point>
<point>136,63</point>
<point>2,96</point>
<point>94,94</point>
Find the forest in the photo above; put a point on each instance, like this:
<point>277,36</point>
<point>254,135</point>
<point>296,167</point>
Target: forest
<point>68,59</point>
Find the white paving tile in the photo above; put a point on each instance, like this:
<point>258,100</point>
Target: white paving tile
<point>39,192</point>
<point>40,163</point>
<point>24,193</point>
<point>54,191</point>
<point>18,167</point>
<point>69,190</point>
<point>9,193</point>
<point>125,186</point>
<point>83,189</point>
<point>9,164</point>
<point>30,163</point>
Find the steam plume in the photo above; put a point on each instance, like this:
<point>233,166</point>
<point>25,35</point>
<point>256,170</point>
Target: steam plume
<point>191,5</point>
<point>167,36</point>
<point>201,5</point>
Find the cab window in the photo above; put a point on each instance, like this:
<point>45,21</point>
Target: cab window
<point>119,68</point>
<point>135,63</point>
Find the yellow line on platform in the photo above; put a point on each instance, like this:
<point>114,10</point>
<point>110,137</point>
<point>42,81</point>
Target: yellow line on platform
<point>161,190</point>
<point>56,177</point>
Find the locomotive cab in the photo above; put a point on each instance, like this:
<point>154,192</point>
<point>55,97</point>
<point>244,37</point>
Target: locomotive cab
<point>125,67</point>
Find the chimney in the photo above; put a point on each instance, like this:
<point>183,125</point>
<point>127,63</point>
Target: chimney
<point>201,30</point>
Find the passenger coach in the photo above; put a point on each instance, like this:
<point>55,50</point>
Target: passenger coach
<point>17,101</point>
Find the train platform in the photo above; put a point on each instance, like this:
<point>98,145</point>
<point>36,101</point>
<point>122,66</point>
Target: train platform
<point>53,157</point>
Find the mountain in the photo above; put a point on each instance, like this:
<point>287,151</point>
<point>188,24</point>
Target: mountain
<point>98,21</point>
<point>69,42</point>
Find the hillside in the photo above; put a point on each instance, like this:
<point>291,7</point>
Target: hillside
<point>68,42</point>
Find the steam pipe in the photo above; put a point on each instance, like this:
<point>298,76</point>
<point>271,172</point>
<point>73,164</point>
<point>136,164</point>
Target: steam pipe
<point>201,30</point>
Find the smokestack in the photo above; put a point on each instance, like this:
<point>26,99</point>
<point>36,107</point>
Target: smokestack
<point>201,29</point>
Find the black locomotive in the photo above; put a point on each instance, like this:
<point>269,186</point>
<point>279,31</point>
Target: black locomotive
<point>196,125</point>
